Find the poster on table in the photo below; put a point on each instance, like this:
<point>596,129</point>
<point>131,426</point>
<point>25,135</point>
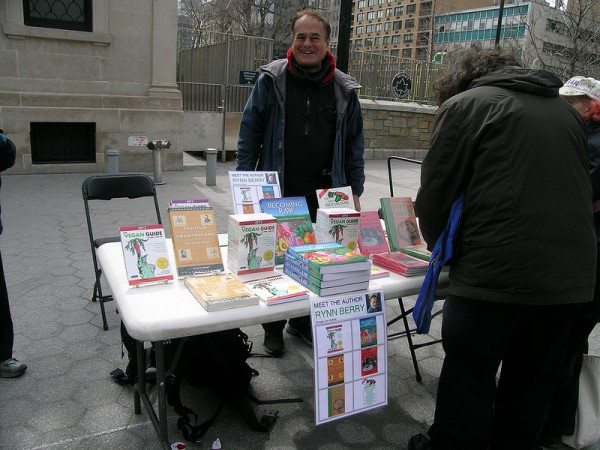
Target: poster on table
<point>350,351</point>
<point>248,188</point>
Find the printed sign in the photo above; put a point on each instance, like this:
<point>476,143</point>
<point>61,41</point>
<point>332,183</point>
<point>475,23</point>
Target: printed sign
<point>137,141</point>
<point>248,188</point>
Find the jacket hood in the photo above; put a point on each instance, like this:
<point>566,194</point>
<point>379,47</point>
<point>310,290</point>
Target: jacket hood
<point>537,82</point>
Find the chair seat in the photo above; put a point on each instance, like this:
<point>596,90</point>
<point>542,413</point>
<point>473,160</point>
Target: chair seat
<point>100,241</point>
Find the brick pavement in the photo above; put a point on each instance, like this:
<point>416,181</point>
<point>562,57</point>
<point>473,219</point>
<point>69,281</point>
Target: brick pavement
<point>67,399</point>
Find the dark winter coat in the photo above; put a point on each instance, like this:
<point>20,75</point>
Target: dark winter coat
<point>519,153</point>
<point>7,159</point>
<point>260,143</point>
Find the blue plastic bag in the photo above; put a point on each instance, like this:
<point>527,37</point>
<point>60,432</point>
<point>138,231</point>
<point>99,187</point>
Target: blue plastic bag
<point>442,254</point>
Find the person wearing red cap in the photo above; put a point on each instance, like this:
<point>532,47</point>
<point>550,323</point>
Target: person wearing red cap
<point>584,95</point>
<point>303,119</point>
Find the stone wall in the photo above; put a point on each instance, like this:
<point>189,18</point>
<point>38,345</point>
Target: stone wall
<point>120,76</point>
<point>394,128</point>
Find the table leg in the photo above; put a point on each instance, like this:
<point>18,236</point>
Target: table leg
<point>162,394</point>
<point>140,386</point>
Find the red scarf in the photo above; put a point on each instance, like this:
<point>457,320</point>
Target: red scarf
<point>327,78</point>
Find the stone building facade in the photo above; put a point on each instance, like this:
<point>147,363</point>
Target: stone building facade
<point>74,88</point>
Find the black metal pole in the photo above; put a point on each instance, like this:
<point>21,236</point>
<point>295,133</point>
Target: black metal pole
<point>498,28</point>
<point>343,47</point>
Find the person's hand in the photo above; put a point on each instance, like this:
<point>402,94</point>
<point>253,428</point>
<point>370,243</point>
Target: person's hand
<point>356,202</point>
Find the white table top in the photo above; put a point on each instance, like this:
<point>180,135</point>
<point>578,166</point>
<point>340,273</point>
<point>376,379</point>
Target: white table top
<point>168,310</point>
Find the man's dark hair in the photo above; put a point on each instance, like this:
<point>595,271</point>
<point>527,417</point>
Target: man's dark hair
<point>315,15</point>
<point>474,63</point>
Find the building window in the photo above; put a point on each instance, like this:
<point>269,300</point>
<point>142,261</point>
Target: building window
<point>360,30</point>
<point>388,12</point>
<point>369,28</point>
<point>394,52</point>
<point>386,40</point>
<point>63,142</point>
<point>555,26</point>
<point>398,10</point>
<point>387,26</point>
<point>380,14</point>
<point>377,41</point>
<point>407,52</point>
<point>410,23</point>
<point>62,14</point>
<point>361,3</point>
<point>368,42</point>
<point>396,39</point>
<point>408,38</point>
<point>360,17</point>
<point>411,9</point>
<point>371,3</point>
<point>398,25</point>
<point>378,28</point>
<point>358,42</point>
<point>370,15</point>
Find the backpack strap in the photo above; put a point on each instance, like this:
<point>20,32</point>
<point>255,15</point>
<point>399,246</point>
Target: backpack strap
<point>273,401</point>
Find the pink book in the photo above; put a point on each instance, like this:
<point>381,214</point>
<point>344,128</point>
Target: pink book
<point>371,238</point>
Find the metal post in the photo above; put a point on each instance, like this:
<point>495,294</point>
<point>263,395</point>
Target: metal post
<point>157,166</point>
<point>225,94</point>
<point>112,161</point>
<point>343,48</point>
<point>499,27</point>
<point>211,166</point>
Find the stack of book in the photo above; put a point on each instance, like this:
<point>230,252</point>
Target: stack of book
<point>401,263</point>
<point>337,225</point>
<point>328,268</point>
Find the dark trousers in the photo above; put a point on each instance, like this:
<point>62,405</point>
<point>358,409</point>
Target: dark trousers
<point>6,325</point>
<point>472,411</point>
<point>277,326</point>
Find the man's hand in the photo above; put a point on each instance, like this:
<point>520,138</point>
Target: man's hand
<point>356,202</point>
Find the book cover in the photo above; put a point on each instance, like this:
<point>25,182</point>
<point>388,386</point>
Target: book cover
<point>368,361</point>
<point>251,243</point>
<point>335,336</point>
<point>335,370</point>
<point>418,251</point>
<point>195,239</point>
<point>220,291</point>
<point>400,222</point>
<point>325,291</point>
<point>248,188</point>
<point>371,237</point>
<point>401,263</point>
<point>277,289</point>
<point>338,225</point>
<point>336,400</point>
<point>145,253</point>
<point>189,202</point>
<point>293,223</point>
<point>294,266</point>
<point>368,331</point>
<point>329,257</point>
<point>378,272</point>
<point>340,197</point>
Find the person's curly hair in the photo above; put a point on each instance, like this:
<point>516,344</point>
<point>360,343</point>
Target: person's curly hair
<point>472,64</point>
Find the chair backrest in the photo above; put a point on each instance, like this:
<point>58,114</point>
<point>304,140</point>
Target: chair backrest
<point>122,185</point>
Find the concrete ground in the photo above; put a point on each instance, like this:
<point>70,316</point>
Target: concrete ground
<point>67,399</point>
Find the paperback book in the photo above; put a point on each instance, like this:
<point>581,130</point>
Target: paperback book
<point>329,257</point>
<point>325,291</point>
<point>189,202</point>
<point>293,223</point>
<point>145,254</point>
<point>400,222</point>
<point>251,243</point>
<point>338,225</point>
<point>371,237</point>
<point>220,291</point>
<point>401,263</point>
<point>340,197</point>
<point>277,289</point>
<point>195,239</point>
<point>306,277</point>
<point>418,251</point>
<point>248,188</point>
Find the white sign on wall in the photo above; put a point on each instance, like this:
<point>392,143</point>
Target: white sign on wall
<point>137,141</point>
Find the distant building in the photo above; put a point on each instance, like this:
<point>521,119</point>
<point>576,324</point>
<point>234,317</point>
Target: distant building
<point>76,83</point>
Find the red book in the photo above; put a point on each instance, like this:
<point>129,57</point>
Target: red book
<point>401,263</point>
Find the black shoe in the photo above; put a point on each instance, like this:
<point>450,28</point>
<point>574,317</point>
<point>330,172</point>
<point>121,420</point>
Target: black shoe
<point>303,331</point>
<point>419,442</point>
<point>274,342</point>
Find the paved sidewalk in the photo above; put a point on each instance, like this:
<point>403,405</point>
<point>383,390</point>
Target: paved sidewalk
<point>66,398</point>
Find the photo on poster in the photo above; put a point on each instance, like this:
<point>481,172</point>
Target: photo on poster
<point>337,400</point>
<point>368,361</point>
<point>335,370</point>
<point>369,392</point>
<point>368,331</point>
<point>268,192</point>
<point>335,337</point>
<point>374,303</point>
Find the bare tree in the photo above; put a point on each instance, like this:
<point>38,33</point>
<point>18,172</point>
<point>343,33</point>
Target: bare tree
<point>565,40</point>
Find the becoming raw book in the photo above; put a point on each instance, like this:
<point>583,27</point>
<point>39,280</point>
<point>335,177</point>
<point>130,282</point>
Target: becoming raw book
<point>220,291</point>
<point>145,253</point>
<point>195,239</point>
<point>400,222</point>
<point>293,223</point>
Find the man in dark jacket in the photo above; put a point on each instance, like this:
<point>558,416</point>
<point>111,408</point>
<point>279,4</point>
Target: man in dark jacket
<point>525,256</point>
<point>304,120</point>
<point>9,366</point>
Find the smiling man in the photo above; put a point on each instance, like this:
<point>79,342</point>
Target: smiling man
<point>304,120</point>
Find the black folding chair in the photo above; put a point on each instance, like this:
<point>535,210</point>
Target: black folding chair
<point>108,187</point>
<point>404,313</point>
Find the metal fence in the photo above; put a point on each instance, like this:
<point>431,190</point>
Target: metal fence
<point>208,64</point>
